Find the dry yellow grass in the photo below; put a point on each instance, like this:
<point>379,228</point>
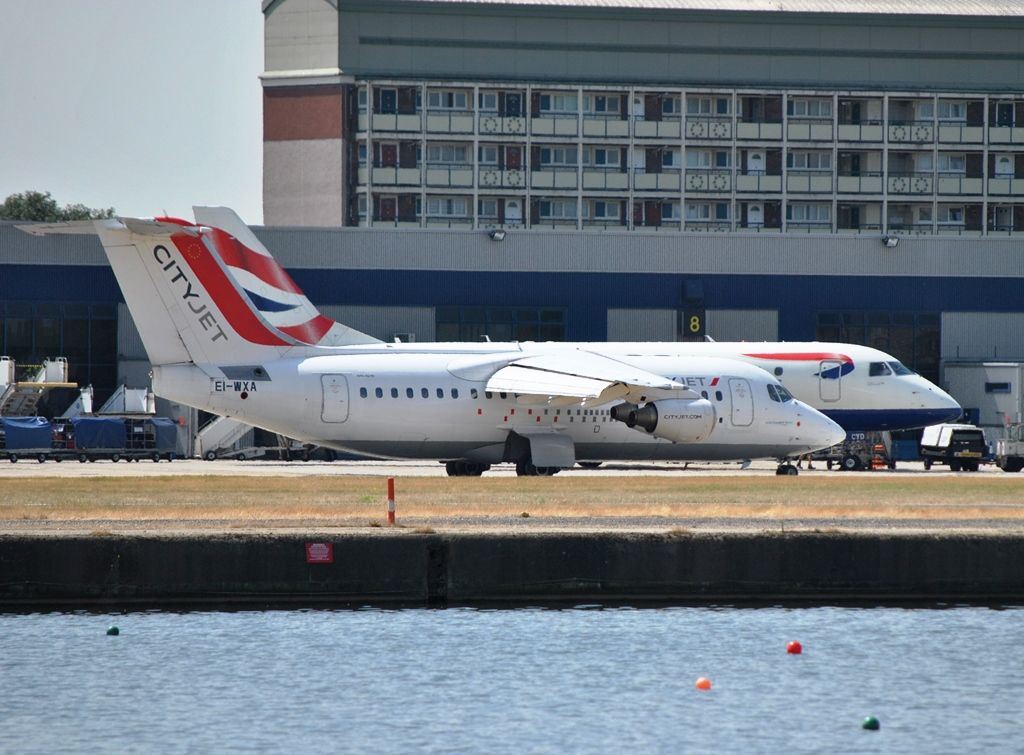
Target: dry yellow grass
<point>358,501</point>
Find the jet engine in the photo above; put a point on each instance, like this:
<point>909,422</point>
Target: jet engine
<point>677,420</point>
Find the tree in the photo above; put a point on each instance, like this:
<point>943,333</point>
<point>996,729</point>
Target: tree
<point>40,206</point>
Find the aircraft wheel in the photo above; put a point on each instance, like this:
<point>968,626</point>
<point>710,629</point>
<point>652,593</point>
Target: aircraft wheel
<point>927,464</point>
<point>155,457</point>
<point>786,470</point>
<point>13,458</point>
<point>851,463</point>
<point>452,468</point>
<point>82,458</point>
<point>210,455</point>
<point>526,469</point>
<point>41,458</point>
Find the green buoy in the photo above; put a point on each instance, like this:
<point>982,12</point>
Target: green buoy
<point>113,631</point>
<point>870,723</point>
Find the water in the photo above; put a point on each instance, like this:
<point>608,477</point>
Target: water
<point>511,681</point>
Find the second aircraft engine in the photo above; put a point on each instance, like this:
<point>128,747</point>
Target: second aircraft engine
<point>677,420</point>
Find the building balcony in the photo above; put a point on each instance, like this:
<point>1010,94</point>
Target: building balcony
<point>605,179</point>
<point>809,182</point>
<point>448,221</point>
<point>809,129</point>
<point>492,177</point>
<point>441,175</point>
<point>551,177</point>
<point>906,228</point>
<point>719,226</point>
<point>708,127</point>
<point>450,122</point>
<point>865,183</point>
<point>865,131</point>
<point>604,223</point>
<point>759,131</point>
<point>911,183</point>
<point>1006,186</point>
<point>390,176</point>
<point>860,228</point>
<point>958,184</point>
<point>613,126</point>
<point>956,229</point>
<point>492,123</point>
<point>758,182</point>
<point>562,124</point>
<point>670,128</point>
<point>961,133</point>
<point>709,180</point>
<point>665,224</point>
<point>911,132</point>
<point>554,223</point>
<point>1006,135</point>
<point>383,122</point>
<point>667,180</point>
<point>808,226</point>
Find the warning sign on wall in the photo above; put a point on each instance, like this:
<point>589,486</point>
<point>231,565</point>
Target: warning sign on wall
<point>319,553</point>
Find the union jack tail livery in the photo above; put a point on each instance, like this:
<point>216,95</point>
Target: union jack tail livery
<point>229,301</point>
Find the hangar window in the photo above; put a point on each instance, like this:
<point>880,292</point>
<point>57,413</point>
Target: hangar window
<point>998,388</point>
<point>913,337</point>
<point>500,323</point>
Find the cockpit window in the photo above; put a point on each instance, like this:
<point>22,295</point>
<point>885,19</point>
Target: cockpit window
<point>899,369</point>
<point>878,369</point>
<point>772,393</point>
<point>784,395</point>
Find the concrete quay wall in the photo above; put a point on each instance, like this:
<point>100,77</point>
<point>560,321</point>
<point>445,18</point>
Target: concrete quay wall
<point>464,569</point>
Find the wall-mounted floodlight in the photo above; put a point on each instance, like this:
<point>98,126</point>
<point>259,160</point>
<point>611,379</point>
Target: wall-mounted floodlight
<point>497,235</point>
<point>891,241</point>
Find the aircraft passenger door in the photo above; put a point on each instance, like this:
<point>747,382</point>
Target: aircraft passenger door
<point>742,402</point>
<point>830,373</point>
<point>335,403</point>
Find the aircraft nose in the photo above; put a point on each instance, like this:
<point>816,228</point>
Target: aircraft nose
<point>821,432</point>
<point>944,408</point>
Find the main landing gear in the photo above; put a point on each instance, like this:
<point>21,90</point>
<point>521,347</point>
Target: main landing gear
<point>527,469</point>
<point>465,468</point>
<point>787,469</point>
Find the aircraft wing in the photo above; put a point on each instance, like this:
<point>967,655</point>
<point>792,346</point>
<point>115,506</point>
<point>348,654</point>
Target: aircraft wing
<point>580,375</point>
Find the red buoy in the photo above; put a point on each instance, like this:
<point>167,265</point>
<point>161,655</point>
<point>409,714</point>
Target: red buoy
<point>703,683</point>
<point>794,648</point>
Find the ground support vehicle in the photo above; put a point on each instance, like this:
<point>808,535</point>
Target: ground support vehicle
<point>860,451</point>
<point>88,438</point>
<point>961,447</point>
<point>1009,454</point>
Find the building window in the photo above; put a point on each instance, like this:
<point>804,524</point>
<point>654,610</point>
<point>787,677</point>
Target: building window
<point>84,333</point>
<point>809,213</point>
<point>558,156</point>
<point>810,108</point>
<point>557,208</point>
<point>602,210</point>
<point>998,388</point>
<point>812,160</point>
<point>446,100</point>
<point>488,154</point>
<point>601,103</point>
<point>952,111</point>
<point>451,154</point>
<point>500,324</point>
<point>487,208</point>
<point>951,215</point>
<point>489,102</point>
<point>558,102</point>
<point>951,163</point>
<point>446,207</point>
<point>602,156</point>
<point>708,106</point>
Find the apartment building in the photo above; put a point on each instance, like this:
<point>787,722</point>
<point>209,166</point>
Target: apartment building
<point>818,116</point>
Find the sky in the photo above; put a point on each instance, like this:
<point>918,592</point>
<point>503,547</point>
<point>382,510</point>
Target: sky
<point>146,106</point>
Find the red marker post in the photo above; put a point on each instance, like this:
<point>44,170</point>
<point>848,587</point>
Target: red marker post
<point>391,500</point>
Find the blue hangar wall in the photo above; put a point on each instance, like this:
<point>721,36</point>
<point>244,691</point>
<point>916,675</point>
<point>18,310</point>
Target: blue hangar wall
<point>585,296</point>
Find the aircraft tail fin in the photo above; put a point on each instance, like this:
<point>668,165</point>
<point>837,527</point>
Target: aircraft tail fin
<point>271,290</point>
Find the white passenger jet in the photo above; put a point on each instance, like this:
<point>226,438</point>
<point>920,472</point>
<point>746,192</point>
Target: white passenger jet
<point>228,331</point>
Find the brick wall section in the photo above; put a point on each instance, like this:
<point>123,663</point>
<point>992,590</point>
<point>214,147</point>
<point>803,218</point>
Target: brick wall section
<point>293,113</point>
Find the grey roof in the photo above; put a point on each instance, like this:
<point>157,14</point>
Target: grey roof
<point>881,7</point>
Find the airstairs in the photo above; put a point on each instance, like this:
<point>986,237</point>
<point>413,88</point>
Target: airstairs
<point>19,397</point>
<point>217,435</point>
<point>127,400</point>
